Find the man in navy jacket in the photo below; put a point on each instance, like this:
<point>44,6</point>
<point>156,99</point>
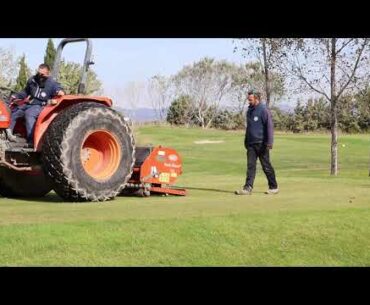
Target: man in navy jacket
<point>259,138</point>
<point>39,88</point>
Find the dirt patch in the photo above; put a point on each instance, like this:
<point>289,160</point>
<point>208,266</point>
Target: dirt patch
<point>208,142</point>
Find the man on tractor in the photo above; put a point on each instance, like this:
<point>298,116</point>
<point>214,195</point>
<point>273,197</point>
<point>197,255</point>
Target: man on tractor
<point>39,89</point>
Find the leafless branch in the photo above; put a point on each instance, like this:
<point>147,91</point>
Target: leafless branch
<point>354,68</point>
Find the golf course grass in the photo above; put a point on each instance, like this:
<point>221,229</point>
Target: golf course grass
<point>315,220</point>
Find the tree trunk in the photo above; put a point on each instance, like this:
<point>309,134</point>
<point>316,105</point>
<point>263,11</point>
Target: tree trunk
<point>209,124</point>
<point>333,112</point>
<point>334,139</point>
<point>267,73</point>
<point>201,119</point>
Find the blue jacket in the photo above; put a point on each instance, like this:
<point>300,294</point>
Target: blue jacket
<point>260,128</point>
<point>39,94</point>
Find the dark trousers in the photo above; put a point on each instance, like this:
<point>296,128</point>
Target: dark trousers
<point>260,151</point>
<point>30,113</point>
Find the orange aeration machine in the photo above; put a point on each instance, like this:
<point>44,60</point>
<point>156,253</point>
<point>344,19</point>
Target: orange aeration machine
<point>155,171</point>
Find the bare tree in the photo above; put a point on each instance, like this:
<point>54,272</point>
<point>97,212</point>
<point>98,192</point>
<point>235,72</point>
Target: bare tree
<point>161,94</point>
<point>329,67</point>
<point>207,83</point>
<point>134,93</point>
<point>252,75</point>
<point>268,52</point>
<point>128,97</point>
<point>8,67</point>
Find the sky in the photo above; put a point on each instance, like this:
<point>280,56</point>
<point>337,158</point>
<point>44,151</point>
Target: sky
<point>120,61</point>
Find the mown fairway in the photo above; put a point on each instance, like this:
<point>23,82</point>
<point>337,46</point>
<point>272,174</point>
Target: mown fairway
<point>315,220</point>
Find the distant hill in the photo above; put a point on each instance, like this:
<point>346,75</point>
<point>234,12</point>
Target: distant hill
<point>149,114</point>
<point>139,114</point>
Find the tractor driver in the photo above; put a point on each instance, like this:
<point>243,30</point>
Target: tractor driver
<point>39,88</point>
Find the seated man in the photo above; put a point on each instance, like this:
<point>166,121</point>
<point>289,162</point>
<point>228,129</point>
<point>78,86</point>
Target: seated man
<point>40,88</point>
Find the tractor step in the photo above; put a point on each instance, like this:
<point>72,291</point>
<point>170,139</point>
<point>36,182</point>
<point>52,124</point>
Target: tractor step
<point>21,146</point>
<point>20,150</point>
<point>19,140</point>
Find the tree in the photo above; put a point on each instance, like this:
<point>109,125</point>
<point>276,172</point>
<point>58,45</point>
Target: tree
<point>23,75</point>
<point>133,92</point>
<point>50,53</point>
<point>128,97</point>
<point>329,67</point>
<point>281,119</point>
<point>180,112</point>
<point>348,114</point>
<point>299,112</point>
<point>8,62</point>
<point>213,85</point>
<point>322,110</point>
<point>228,120</point>
<point>160,93</point>
<point>251,75</point>
<point>69,77</point>
<point>207,83</point>
<point>363,109</point>
<point>268,52</point>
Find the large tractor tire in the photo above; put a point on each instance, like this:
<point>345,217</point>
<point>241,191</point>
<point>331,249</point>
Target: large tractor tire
<point>15,184</point>
<point>88,153</point>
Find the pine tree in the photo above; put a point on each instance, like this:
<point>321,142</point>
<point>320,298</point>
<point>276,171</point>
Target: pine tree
<point>50,53</point>
<point>23,75</point>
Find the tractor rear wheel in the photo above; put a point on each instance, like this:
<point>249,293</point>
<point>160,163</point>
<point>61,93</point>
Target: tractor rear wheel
<point>23,184</point>
<point>88,153</point>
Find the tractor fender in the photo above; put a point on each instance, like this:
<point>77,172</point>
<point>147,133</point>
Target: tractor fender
<point>51,111</point>
<point>5,115</point>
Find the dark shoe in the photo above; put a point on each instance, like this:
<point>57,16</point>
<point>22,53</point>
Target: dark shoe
<point>272,192</point>
<point>245,191</point>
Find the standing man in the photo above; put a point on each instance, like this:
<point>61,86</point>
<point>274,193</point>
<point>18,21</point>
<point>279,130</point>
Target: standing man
<point>258,141</point>
<point>40,88</point>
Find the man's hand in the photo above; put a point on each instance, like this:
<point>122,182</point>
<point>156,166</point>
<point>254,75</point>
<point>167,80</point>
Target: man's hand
<point>60,93</point>
<point>12,99</point>
<point>269,146</point>
<point>245,143</point>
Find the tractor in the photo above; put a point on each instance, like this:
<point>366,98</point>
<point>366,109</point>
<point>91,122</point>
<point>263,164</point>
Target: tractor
<point>82,148</point>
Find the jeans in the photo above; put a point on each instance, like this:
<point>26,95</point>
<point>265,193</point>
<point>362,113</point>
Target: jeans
<point>260,151</point>
<point>30,113</point>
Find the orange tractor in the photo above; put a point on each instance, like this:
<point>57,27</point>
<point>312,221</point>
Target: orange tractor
<point>83,149</point>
